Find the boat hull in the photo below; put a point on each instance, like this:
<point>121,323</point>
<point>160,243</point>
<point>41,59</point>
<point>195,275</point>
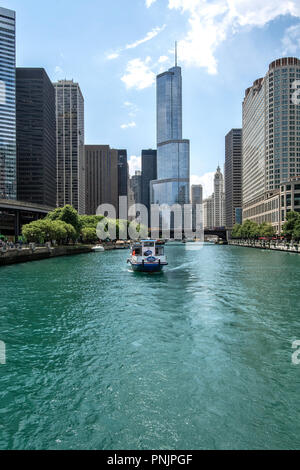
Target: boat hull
<point>147,267</point>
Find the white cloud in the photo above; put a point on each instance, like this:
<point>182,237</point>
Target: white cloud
<point>112,56</point>
<point>129,125</point>
<point>149,3</point>
<point>138,74</point>
<point>58,70</point>
<point>207,182</point>
<point>132,108</point>
<point>134,164</point>
<point>152,34</point>
<point>291,40</point>
<point>162,59</point>
<point>211,22</point>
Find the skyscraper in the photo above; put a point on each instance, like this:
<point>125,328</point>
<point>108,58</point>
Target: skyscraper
<point>122,173</point>
<point>197,194</point>
<point>8,183</point>
<point>208,212</point>
<point>233,176</point>
<point>197,200</point>
<point>70,145</point>
<point>173,153</point>
<point>101,165</point>
<point>36,137</point>
<point>149,173</point>
<point>136,186</point>
<point>271,146</point>
<point>219,199</point>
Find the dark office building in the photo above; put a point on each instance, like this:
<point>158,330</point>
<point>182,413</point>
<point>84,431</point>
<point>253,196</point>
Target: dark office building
<point>233,176</point>
<point>122,173</point>
<point>101,164</point>
<point>149,173</point>
<point>136,186</point>
<point>197,200</point>
<point>36,137</point>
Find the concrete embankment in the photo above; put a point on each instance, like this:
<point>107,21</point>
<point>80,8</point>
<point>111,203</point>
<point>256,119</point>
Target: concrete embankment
<point>287,247</point>
<point>14,256</point>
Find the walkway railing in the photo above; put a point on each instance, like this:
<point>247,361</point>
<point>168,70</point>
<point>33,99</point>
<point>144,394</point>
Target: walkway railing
<point>284,245</point>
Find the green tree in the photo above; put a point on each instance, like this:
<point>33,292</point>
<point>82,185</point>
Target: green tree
<point>296,231</point>
<point>236,231</point>
<point>266,230</point>
<point>89,234</point>
<point>249,230</point>
<point>67,214</point>
<point>291,220</point>
<point>45,230</point>
<point>60,232</point>
<point>32,233</point>
<point>55,214</point>
<point>90,220</point>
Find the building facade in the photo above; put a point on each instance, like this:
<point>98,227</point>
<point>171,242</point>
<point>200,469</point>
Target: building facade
<point>271,140</point>
<point>70,145</point>
<point>136,187</point>
<point>36,137</point>
<point>196,200</point>
<point>289,197</point>
<point>233,177</point>
<point>8,164</point>
<point>219,199</point>
<point>149,173</point>
<point>208,212</point>
<point>173,153</point>
<point>122,173</point>
<point>101,169</point>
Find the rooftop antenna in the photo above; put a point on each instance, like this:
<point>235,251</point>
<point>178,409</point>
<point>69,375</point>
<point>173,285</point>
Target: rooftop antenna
<point>176,53</point>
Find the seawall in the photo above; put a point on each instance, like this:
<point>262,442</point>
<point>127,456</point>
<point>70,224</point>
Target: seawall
<point>15,256</point>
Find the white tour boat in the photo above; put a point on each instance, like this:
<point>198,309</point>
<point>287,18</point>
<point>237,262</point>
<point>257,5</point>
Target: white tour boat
<point>147,256</point>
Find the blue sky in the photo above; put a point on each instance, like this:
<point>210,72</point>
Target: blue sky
<point>115,48</point>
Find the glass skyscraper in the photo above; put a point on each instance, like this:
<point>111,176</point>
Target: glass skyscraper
<point>7,104</point>
<point>173,153</point>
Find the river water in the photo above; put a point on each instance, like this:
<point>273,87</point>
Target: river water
<point>199,357</point>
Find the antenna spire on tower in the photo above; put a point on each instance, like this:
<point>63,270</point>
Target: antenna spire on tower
<point>176,53</point>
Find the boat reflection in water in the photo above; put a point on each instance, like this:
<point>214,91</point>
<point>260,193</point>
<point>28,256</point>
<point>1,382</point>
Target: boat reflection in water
<point>147,256</point>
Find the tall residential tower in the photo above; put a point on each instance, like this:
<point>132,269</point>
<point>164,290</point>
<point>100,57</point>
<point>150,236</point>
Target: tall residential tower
<point>173,153</point>
<point>8,183</point>
<point>271,144</point>
<point>70,145</point>
<point>219,199</point>
<point>233,177</point>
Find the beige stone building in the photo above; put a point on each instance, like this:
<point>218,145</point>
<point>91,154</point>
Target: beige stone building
<point>271,141</point>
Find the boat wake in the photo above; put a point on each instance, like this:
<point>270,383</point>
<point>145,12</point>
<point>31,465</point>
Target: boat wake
<point>182,266</point>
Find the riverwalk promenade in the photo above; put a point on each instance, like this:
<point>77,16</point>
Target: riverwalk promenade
<point>291,247</point>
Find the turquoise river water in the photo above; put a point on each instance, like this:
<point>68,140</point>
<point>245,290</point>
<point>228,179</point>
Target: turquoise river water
<point>199,357</point>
